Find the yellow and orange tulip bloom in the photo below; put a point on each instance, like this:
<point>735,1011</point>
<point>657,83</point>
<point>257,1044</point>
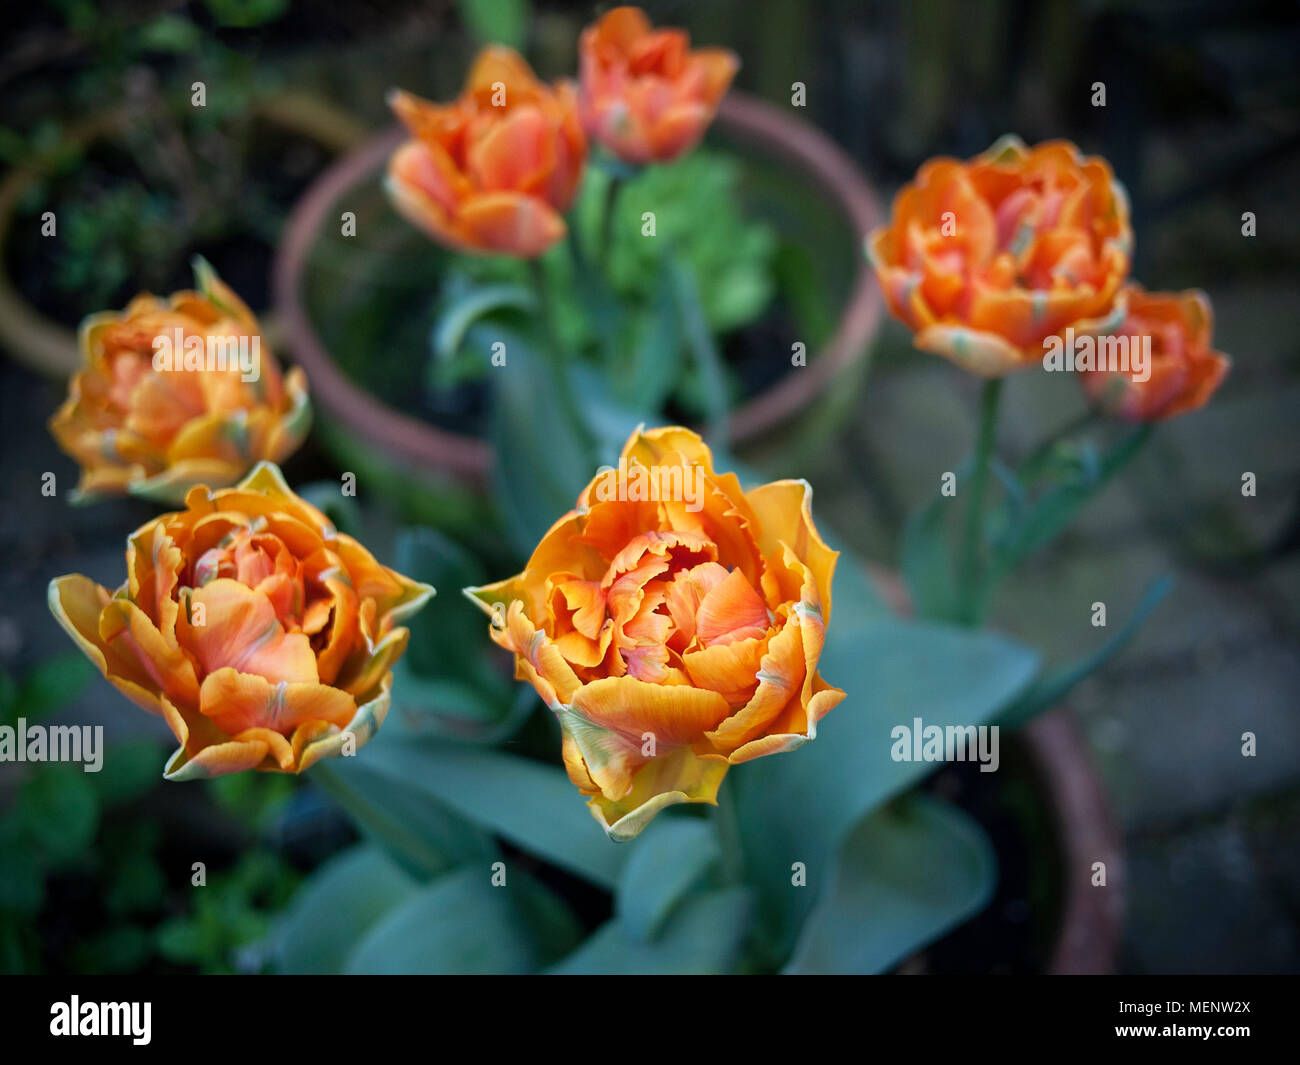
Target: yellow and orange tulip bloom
<point>674,633</point>
<point>984,260</point>
<point>644,93</point>
<point>263,637</point>
<point>138,429</point>
<point>1185,369</point>
<point>494,170</point>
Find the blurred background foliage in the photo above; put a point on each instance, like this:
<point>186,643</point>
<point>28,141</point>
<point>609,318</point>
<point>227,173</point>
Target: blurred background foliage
<point>1202,123</point>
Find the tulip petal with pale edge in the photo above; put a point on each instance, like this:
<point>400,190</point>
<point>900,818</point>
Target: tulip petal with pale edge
<point>679,777</point>
<point>76,603</point>
<point>213,754</point>
<point>671,642</point>
<point>784,511</point>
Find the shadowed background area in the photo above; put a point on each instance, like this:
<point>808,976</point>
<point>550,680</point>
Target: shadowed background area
<point>1201,123</point>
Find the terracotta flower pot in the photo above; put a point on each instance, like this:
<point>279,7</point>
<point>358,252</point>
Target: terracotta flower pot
<point>411,441</point>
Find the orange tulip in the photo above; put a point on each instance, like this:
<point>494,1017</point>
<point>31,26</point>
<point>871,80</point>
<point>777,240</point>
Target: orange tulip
<point>494,170</point>
<point>644,94</point>
<point>1184,369</point>
<point>175,393</point>
<point>673,623</point>
<point>985,260</point>
<point>263,637</point>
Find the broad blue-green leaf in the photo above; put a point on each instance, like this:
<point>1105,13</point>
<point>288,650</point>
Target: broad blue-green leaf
<point>453,709</point>
<point>423,835</point>
<point>668,859</point>
<point>333,910</point>
<point>480,691</point>
<point>471,304</point>
<point>459,924</point>
<point>656,362</point>
<point>542,458</point>
<point>705,935</point>
<point>1053,686</point>
<point>610,421</point>
<point>328,497</point>
<point>800,806</point>
<point>906,874</point>
<point>702,347</point>
<point>926,561</point>
<point>532,805</point>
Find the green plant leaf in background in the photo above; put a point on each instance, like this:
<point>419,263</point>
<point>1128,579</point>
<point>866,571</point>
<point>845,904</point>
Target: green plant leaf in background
<point>530,804</point>
<point>420,833</point>
<point>905,875</point>
<point>706,934</point>
<point>459,924</point>
<point>542,461</point>
<point>330,914</point>
<point>801,806</point>
<point>668,860</point>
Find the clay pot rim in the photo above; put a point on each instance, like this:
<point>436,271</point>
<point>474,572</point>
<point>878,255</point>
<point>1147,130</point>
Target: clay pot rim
<point>745,119</point>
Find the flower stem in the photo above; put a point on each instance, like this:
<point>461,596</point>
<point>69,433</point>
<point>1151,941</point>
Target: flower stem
<point>606,239</point>
<point>968,603</point>
<point>1029,467</point>
<point>557,354</point>
<point>728,826</point>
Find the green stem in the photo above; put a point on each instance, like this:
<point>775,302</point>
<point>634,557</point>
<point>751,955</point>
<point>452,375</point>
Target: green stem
<point>728,826</point>
<point>557,354</point>
<point>968,602</point>
<point>606,238</point>
<point>1029,467</point>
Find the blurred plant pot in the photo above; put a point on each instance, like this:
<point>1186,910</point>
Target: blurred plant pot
<point>330,289</point>
<point>1080,824</point>
<point>49,346</point>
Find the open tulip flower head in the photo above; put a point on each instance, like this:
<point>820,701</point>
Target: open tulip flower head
<point>495,170</point>
<point>983,260</point>
<point>644,94</point>
<point>1185,369</point>
<point>673,623</point>
<point>264,638</point>
<point>175,393</point>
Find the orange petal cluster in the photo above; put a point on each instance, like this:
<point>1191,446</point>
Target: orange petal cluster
<point>674,636</point>
<point>494,170</point>
<point>157,432</point>
<point>1185,369</point>
<point>264,637</point>
<point>643,92</point>
<point>985,259</point>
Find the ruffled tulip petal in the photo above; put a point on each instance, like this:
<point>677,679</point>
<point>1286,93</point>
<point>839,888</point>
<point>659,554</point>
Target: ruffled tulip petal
<point>137,426</point>
<point>77,603</point>
<point>679,777</point>
<point>670,642</point>
<point>510,223</point>
<point>236,701</point>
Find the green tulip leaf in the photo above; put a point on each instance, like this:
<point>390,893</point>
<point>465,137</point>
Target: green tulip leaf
<point>905,876</point>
